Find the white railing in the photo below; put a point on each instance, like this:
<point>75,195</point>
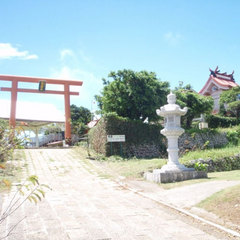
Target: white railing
<point>45,139</point>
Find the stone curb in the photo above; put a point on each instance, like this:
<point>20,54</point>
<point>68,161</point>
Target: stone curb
<point>229,231</point>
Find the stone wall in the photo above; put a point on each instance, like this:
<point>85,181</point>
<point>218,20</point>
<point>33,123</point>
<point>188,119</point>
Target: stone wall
<point>144,151</point>
<point>187,142</point>
<point>202,140</point>
<point>220,164</point>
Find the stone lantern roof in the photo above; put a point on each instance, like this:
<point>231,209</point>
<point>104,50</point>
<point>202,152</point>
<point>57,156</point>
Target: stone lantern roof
<point>171,108</point>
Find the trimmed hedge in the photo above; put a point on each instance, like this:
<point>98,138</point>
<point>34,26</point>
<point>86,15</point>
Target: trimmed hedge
<point>142,140</point>
<point>215,121</point>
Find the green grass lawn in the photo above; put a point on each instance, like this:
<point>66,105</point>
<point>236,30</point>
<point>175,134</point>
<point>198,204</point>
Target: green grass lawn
<point>133,168</point>
<point>227,175</point>
<point>210,153</point>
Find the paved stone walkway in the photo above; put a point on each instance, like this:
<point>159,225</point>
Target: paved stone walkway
<point>83,206</point>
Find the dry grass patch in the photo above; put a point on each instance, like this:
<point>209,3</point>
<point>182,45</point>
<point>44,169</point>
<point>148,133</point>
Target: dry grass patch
<point>11,170</point>
<point>133,168</point>
<point>114,166</point>
<point>225,204</point>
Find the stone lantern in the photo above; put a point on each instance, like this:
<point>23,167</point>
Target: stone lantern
<point>172,130</point>
<point>173,170</point>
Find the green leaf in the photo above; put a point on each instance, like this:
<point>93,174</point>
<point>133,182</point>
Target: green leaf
<point>46,186</point>
<point>38,196</point>
<point>32,198</point>
<point>34,180</point>
<point>42,192</point>
<point>21,192</point>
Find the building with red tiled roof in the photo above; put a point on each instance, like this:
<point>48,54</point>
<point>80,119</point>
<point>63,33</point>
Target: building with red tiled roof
<point>93,123</point>
<point>217,82</point>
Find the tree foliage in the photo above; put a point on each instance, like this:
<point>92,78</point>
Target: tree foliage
<point>51,128</point>
<point>234,108</point>
<point>195,103</point>
<point>230,102</point>
<point>135,95</point>
<point>8,141</point>
<point>80,116</point>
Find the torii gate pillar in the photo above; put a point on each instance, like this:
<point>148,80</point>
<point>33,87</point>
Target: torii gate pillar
<point>67,114</point>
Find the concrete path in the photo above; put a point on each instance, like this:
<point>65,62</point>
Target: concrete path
<point>83,206</point>
<point>183,197</point>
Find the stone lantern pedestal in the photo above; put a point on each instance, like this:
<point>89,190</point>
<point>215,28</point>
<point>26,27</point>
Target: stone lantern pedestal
<point>173,171</point>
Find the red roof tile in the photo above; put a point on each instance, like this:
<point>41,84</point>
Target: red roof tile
<point>220,79</point>
<point>225,83</point>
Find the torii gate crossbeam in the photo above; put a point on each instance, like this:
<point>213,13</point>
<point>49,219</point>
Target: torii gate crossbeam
<point>14,90</point>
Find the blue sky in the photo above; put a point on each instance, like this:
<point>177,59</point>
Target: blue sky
<point>85,40</point>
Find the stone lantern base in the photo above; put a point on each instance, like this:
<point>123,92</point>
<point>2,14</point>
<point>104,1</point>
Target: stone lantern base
<point>161,176</point>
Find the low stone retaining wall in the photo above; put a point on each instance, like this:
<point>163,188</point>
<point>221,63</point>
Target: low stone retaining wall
<point>221,164</point>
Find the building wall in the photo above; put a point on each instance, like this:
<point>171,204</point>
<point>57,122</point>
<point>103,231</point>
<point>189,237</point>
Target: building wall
<point>216,97</point>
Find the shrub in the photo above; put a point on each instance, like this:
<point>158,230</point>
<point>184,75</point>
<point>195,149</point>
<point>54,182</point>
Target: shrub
<point>8,142</point>
<point>233,135</point>
<point>201,166</point>
<point>229,102</point>
<point>215,121</point>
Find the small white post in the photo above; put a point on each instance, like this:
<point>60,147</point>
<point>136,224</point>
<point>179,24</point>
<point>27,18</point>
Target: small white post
<point>36,137</point>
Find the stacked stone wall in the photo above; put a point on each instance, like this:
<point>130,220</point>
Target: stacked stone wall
<point>187,142</point>
<point>204,140</point>
<point>144,151</point>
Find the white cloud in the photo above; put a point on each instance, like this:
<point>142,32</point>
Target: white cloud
<point>173,38</point>
<point>70,73</point>
<point>91,84</point>
<point>72,68</point>
<point>7,51</point>
<point>76,57</point>
<point>66,52</point>
<point>29,57</point>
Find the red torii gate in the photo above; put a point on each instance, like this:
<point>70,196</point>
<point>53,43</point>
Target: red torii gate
<point>14,90</point>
